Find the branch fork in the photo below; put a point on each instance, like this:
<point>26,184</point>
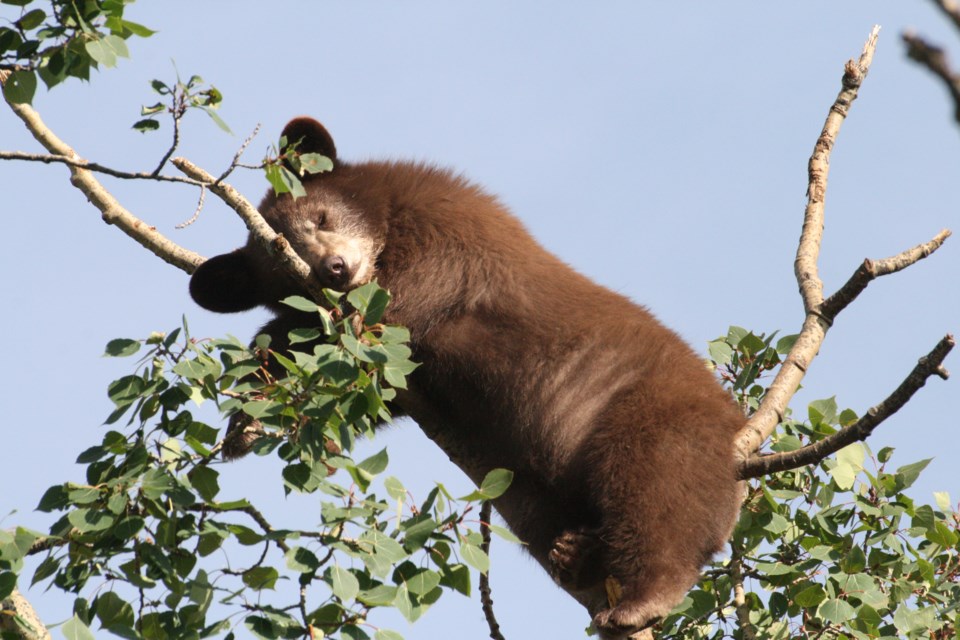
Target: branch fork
<point>820,313</point>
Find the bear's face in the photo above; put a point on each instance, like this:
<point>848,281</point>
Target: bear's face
<point>329,234</point>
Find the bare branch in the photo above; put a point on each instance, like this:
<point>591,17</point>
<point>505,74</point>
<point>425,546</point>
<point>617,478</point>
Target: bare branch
<point>486,600</point>
<point>111,210</point>
<point>740,598</point>
<point>18,619</point>
<point>815,327</point>
<point>92,166</point>
<point>236,157</point>
<point>177,112</point>
<point>196,212</point>
<point>871,269</point>
<point>929,365</point>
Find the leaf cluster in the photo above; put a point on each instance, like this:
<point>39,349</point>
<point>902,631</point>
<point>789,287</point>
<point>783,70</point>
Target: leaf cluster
<point>151,547</point>
<point>60,39</point>
<point>177,98</point>
<point>285,168</point>
<point>836,550</point>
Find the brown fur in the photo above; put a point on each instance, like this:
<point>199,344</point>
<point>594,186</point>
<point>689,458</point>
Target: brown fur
<point>620,439</point>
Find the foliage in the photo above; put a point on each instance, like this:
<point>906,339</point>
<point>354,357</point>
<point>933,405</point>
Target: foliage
<point>181,96</point>
<point>154,550</point>
<point>285,167</point>
<point>65,38</point>
<point>837,550</point>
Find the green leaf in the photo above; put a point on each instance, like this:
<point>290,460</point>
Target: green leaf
<point>505,534</point>
<point>204,480</point>
<point>908,474</point>
<point>943,500</point>
<point>811,596</point>
<point>301,560</point>
<point>370,300</point>
<point>343,583</point>
<point>55,498</point>
<point>849,463</point>
<point>31,20</point>
<point>122,347</point>
<point>720,352</point>
<point>75,629</point>
<point>112,610</point>
<point>423,582</point>
<point>457,577</point>
<point>259,578</point>
<point>145,125</point>
<point>8,582</point>
<point>217,120</point>
<point>386,634</point>
<point>836,611</point>
<point>90,520</point>
<point>20,87</point>
<point>301,304</point>
<point>475,557</point>
<point>493,486</point>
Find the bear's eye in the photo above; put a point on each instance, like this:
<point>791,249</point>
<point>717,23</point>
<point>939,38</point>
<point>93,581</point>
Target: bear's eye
<point>321,218</point>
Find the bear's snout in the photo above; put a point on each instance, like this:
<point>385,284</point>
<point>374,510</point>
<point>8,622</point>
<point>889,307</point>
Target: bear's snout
<point>335,271</point>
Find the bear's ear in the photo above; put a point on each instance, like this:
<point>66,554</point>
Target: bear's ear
<point>226,283</point>
<point>312,135</point>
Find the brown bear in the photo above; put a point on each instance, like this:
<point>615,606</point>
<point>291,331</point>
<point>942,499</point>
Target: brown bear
<point>620,438</point>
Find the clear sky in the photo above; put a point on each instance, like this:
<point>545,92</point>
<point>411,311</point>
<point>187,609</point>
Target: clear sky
<point>659,148</point>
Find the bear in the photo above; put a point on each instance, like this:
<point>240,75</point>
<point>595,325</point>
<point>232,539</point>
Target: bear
<point>620,438</point>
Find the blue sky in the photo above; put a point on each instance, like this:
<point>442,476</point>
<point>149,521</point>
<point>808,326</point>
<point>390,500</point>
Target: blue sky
<point>659,148</point>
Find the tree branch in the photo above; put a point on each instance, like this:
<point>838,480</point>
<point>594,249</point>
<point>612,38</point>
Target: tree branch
<point>112,211</point>
<point>19,619</point>
<point>92,166</point>
<point>815,326</point>
<point>931,364</point>
<point>269,239</point>
<point>486,600</point>
<point>871,269</point>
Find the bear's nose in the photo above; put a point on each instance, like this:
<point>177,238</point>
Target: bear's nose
<point>334,265</point>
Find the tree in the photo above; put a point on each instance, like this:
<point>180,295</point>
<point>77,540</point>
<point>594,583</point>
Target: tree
<point>157,487</point>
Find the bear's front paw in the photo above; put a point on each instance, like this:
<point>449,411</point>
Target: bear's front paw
<point>575,559</point>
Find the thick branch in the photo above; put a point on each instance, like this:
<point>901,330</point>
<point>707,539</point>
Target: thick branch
<point>111,210</point>
<point>19,619</point>
<point>929,365</point>
<point>815,327</point>
<point>871,269</point>
<point>269,239</point>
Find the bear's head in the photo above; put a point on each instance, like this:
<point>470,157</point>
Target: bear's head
<point>326,228</point>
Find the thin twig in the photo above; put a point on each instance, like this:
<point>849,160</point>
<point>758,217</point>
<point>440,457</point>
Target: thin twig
<point>177,112</point>
<point>236,157</point>
<point>486,598</point>
<point>196,213</point>
<point>815,326</point>
<point>92,166</point>
<point>929,365</point>
<point>871,269</point>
